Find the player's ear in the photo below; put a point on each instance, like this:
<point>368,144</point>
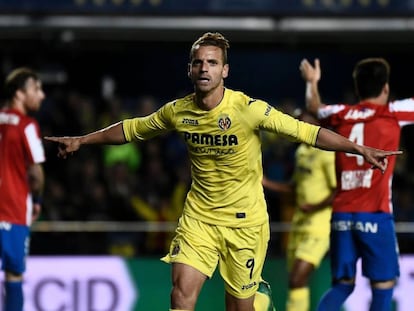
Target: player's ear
<point>225,72</point>
<point>386,88</point>
<point>189,70</point>
<point>19,94</point>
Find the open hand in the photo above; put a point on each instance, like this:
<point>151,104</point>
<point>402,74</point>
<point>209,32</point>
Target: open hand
<point>310,73</point>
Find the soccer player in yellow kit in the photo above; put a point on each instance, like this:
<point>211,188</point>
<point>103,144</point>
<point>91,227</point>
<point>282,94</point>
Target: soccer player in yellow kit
<point>313,183</point>
<point>224,221</point>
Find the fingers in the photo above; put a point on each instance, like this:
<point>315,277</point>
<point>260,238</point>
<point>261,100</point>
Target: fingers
<point>304,64</point>
<point>397,152</point>
<point>317,63</point>
<point>309,72</point>
<point>63,145</point>
<point>380,159</point>
<point>51,138</point>
<point>304,69</point>
<point>384,165</point>
<point>381,166</point>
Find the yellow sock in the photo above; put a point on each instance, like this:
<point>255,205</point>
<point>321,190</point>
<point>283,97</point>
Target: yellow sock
<point>261,301</point>
<point>263,298</point>
<point>298,299</point>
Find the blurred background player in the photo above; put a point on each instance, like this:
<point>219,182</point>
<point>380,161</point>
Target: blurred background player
<point>21,177</point>
<point>362,225</point>
<point>313,183</point>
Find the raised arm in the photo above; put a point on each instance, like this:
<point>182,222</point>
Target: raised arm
<point>311,75</point>
<point>111,135</point>
<point>329,140</point>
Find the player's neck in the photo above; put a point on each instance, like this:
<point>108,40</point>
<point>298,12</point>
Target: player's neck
<point>380,100</point>
<point>17,105</point>
<point>209,100</point>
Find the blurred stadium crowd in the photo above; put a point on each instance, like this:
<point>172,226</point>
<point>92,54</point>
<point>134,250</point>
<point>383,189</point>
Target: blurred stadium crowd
<point>147,181</point>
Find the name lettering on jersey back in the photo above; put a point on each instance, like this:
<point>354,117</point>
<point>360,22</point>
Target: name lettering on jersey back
<point>349,225</point>
<point>354,114</point>
<point>6,118</point>
<point>210,140</point>
<point>356,179</point>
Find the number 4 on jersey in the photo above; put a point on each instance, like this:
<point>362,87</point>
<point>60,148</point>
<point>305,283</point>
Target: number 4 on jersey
<point>357,136</point>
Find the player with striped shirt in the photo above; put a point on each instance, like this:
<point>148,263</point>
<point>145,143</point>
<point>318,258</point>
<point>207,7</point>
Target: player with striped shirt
<point>21,177</point>
<point>224,221</point>
<point>362,224</point>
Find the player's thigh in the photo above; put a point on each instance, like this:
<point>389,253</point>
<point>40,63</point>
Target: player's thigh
<point>195,244</point>
<point>344,250</point>
<point>242,257</point>
<point>379,247</point>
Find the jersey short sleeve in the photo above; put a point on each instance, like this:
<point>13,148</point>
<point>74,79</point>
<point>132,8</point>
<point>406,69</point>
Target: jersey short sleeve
<point>34,143</point>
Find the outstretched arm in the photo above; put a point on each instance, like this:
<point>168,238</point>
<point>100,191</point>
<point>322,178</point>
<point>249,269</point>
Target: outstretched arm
<point>111,135</point>
<point>311,75</point>
<point>331,141</point>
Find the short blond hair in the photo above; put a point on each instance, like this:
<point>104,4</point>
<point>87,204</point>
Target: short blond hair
<point>214,39</point>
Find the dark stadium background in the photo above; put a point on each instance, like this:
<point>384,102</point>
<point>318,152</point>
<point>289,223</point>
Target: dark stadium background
<point>140,48</point>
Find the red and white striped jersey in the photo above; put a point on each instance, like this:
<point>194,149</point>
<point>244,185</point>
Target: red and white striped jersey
<point>360,188</point>
<point>20,147</point>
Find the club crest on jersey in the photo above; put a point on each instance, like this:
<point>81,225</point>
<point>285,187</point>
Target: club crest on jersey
<point>224,122</point>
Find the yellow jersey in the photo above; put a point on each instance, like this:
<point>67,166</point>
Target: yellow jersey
<point>225,153</point>
<point>315,180</point>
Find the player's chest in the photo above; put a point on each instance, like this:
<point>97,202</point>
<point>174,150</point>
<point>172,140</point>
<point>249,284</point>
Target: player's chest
<point>210,129</point>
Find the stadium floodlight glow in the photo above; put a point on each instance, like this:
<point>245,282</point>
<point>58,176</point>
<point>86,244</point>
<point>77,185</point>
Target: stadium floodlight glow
<point>265,24</point>
<point>345,24</point>
<point>140,22</point>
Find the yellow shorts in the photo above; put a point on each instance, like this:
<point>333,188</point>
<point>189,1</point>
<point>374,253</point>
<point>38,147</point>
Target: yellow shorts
<point>239,252</point>
<point>307,246</point>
